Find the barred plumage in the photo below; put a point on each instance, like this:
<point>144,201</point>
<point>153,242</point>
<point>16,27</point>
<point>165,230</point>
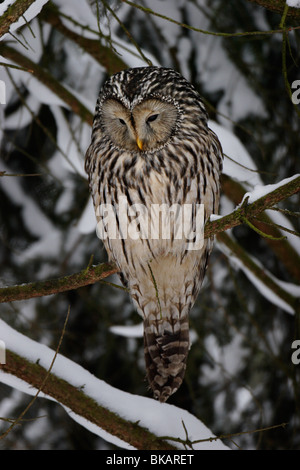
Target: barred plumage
<point>151,146</point>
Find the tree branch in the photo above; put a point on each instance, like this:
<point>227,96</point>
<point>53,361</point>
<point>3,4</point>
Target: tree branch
<point>81,404</point>
<point>285,252</point>
<point>94,274</point>
<point>285,190</point>
<point>12,14</point>
<point>87,276</point>
<point>211,33</point>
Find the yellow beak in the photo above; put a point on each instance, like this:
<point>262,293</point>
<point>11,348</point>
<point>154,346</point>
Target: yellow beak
<point>139,143</point>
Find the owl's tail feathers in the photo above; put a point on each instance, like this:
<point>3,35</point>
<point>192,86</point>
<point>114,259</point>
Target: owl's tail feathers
<point>165,357</point>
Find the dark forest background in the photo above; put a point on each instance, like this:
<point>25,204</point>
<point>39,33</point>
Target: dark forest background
<point>239,375</point>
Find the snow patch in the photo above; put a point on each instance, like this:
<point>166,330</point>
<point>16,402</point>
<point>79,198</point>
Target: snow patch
<point>237,164</point>
<point>293,3</point>
<point>260,191</point>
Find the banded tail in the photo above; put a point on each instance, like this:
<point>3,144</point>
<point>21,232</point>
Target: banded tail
<point>166,356</point>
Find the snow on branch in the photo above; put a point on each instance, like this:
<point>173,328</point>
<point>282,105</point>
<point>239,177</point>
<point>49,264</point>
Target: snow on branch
<point>18,13</point>
<point>287,251</point>
<point>121,418</point>
<point>261,199</point>
<point>293,3</point>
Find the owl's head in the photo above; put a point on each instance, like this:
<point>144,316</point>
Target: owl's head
<point>145,126</point>
<point>141,109</point>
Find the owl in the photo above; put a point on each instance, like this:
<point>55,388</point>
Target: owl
<point>151,148</point>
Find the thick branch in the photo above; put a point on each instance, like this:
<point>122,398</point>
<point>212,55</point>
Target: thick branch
<point>96,273</point>
<point>285,252</point>
<point>12,14</point>
<point>85,277</point>
<point>82,405</point>
<point>255,208</point>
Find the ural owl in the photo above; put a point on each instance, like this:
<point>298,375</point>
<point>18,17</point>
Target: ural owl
<point>151,148</point>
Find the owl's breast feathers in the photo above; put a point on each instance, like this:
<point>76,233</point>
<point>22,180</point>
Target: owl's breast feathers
<point>163,276</point>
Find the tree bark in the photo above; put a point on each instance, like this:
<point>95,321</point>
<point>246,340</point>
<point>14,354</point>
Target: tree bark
<point>12,14</point>
<point>31,290</point>
<point>284,251</point>
<point>81,404</point>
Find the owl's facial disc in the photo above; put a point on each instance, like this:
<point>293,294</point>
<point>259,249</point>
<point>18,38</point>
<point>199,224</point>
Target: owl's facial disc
<point>149,125</point>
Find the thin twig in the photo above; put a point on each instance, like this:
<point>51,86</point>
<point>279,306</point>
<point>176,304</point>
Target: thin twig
<point>281,227</point>
<point>128,34</point>
<point>222,436</point>
<point>211,33</point>
<point>260,232</point>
